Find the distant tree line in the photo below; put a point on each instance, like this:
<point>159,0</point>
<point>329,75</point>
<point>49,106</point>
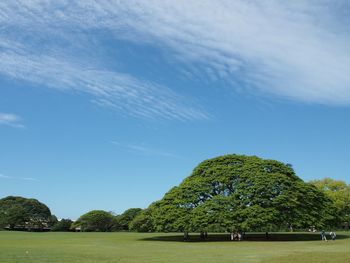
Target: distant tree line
<point>19,213</point>
<point>231,193</point>
<point>102,221</point>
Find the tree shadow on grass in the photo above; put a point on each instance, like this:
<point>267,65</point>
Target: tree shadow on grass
<point>272,237</point>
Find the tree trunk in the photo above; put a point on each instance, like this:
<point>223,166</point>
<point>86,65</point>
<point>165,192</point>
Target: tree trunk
<point>186,236</point>
<point>267,235</point>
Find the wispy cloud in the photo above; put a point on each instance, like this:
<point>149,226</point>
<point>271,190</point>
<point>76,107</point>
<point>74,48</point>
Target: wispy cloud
<point>144,150</point>
<point>10,119</point>
<point>291,49</point>
<point>109,89</point>
<point>17,178</point>
<point>50,48</point>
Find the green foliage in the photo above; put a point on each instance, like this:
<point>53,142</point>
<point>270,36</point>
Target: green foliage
<point>23,213</point>
<point>123,221</point>
<point>236,192</point>
<point>95,221</point>
<point>143,221</point>
<point>63,225</point>
<point>53,220</point>
<point>339,192</point>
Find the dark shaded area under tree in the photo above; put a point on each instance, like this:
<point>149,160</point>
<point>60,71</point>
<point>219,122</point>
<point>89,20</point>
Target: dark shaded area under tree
<point>223,237</point>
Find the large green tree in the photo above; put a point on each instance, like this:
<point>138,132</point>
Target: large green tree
<point>96,220</point>
<point>241,193</point>
<point>24,213</point>
<point>339,192</point>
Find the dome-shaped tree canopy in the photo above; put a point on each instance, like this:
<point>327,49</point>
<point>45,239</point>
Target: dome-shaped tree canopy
<point>20,212</point>
<point>95,220</point>
<point>236,192</point>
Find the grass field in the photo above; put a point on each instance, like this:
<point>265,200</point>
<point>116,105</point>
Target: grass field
<point>154,247</point>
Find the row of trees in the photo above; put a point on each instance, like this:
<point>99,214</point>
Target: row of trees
<point>19,213</point>
<point>99,220</point>
<point>227,193</point>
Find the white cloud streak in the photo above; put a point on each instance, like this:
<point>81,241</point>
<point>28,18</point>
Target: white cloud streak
<point>17,178</point>
<point>144,150</point>
<point>10,119</point>
<point>297,50</point>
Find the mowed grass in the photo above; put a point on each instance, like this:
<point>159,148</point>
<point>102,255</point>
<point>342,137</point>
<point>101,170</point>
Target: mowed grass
<point>155,247</point>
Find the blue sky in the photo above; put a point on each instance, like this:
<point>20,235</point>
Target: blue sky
<point>108,104</point>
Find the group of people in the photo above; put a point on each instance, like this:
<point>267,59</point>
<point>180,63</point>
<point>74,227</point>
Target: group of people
<point>236,236</point>
<point>332,234</point>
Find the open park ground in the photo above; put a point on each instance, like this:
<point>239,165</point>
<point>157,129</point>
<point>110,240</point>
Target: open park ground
<point>52,247</point>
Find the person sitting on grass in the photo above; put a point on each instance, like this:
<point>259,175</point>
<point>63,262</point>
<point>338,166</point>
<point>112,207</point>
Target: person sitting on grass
<point>323,235</point>
<point>333,235</point>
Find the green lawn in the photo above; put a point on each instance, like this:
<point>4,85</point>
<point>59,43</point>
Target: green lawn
<point>155,247</point>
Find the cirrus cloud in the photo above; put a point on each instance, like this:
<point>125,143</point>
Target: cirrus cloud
<point>297,50</point>
<point>10,119</point>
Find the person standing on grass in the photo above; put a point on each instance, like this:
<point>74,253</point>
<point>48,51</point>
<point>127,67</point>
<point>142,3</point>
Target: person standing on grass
<point>333,235</point>
<point>323,235</point>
